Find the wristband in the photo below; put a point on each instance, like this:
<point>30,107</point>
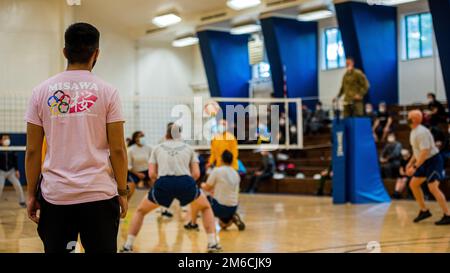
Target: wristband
<point>123,192</point>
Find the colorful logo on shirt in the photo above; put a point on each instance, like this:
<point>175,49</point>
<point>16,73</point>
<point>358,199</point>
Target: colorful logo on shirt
<point>61,103</point>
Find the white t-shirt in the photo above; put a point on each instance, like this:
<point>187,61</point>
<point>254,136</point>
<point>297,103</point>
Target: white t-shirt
<point>225,181</point>
<point>138,157</point>
<point>420,139</point>
<point>173,157</point>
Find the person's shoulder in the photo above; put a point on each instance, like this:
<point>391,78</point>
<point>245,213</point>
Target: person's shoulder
<point>104,85</point>
<point>44,85</point>
<point>358,71</point>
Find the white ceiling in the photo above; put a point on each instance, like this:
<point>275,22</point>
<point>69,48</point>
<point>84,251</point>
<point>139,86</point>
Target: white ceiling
<point>134,16</point>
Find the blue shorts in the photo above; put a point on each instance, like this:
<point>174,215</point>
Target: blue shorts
<point>432,169</point>
<point>167,188</point>
<point>224,213</point>
<point>132,178</point>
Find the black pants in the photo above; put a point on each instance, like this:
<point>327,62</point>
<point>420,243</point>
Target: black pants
<point>97,223</point>
<point>256,179</point>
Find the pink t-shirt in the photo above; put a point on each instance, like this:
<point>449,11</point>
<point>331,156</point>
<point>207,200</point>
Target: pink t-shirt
<point>74,107</point>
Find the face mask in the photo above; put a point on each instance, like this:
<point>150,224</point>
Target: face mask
<point>391,139</point>
<point>142,141</point>
<point>220,128</point>
<point>368,110</point>
<point>6,142</point>
<point>382,110</point>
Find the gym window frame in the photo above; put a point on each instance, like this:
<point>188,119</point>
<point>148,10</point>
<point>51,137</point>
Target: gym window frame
<point>340,60</point>
<point>423,51</point>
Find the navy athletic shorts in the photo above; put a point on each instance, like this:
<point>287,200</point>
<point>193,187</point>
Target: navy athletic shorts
<point>132,178</point>
<point>168,188</point>
<point>224,213</point>
<point>432,169</point>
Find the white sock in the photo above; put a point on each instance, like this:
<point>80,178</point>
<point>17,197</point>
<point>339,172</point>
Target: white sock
<point>211,238</point>
<point>130,241</point>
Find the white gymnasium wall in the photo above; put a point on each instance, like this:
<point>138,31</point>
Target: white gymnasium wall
<point>167,71</point>
<point>420,76</point>
<point>117,59</point>
<point>30,42</point>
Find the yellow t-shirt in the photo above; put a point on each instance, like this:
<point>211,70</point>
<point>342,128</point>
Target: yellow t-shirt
<point>219,144</point>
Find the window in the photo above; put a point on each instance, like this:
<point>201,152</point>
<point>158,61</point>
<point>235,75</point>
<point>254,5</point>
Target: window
<point>334,49</point>
<point>261,70</point>
<point>419,35</point>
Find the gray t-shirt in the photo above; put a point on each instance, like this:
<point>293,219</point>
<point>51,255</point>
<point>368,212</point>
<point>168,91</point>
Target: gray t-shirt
<point>138,158</point>
<point>173,157</point>
<point>225,181</point>
<point>420,139</point>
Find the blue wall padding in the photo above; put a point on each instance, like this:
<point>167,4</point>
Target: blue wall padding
<point>19,139</point>
<point>339,162</point>
<point>363,170</point>
<point>369,34</point>
<point>357,177</point>
<point>440,12</point>
<point>292,49</point>
<point>226,62</point>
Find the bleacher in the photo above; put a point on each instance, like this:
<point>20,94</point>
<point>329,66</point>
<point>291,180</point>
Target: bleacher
<point>317,156</point>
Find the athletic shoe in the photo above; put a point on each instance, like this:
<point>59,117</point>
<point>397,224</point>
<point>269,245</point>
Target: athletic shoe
<point>216,248</point>
<point>126,250</point>
<point>238,221</point>
<point>167,214</point>
<point>422,216</point>
<point>444,221</point>
<point>23,205</point>
<point>190,226</point>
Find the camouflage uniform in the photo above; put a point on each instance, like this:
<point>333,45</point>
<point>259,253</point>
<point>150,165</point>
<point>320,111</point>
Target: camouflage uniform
<point>354,83</point>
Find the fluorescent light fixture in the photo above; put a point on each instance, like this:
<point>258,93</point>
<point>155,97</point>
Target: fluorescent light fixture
<point>315,14</point>
<point>185,41</point>
<point>245,29</point>
<point>394,2</point>
<point>166,20</point>
<point>74,2</point>
<point>242,4</point>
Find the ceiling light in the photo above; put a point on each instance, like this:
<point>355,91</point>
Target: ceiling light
<point>73,2</point>
<point>166,20</point>
<point>185,41</point>
<point>245,28</point>
<point>242,4</point>
<point>315,14</point>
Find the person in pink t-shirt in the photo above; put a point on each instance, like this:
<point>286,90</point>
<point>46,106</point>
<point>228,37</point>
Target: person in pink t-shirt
<point>80,189</point>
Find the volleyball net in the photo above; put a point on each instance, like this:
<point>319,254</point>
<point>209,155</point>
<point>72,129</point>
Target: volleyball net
<point>274,123</point>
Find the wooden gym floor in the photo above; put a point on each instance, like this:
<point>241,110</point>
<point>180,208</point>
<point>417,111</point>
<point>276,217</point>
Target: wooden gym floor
<point>275,223</point>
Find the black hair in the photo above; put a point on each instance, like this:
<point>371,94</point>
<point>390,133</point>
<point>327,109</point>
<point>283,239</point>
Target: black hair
<point>227,157</point>
<point>350,58</point>
<point>134,137</point>
<point>319,103</point>
<point>432,95</point>
<point>81,41</point>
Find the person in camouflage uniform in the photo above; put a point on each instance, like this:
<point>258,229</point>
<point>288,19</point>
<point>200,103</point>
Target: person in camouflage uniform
<point>354,87</point>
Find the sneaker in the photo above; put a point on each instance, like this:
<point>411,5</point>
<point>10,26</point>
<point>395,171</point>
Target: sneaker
<point>23,205</point>
<point>216,248</point>
<point>238,222</point>
<point>126,250</point>
<point>190,226</point>
<point>422,216</point>
<point>167,214</point>
<point>444,221</point>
